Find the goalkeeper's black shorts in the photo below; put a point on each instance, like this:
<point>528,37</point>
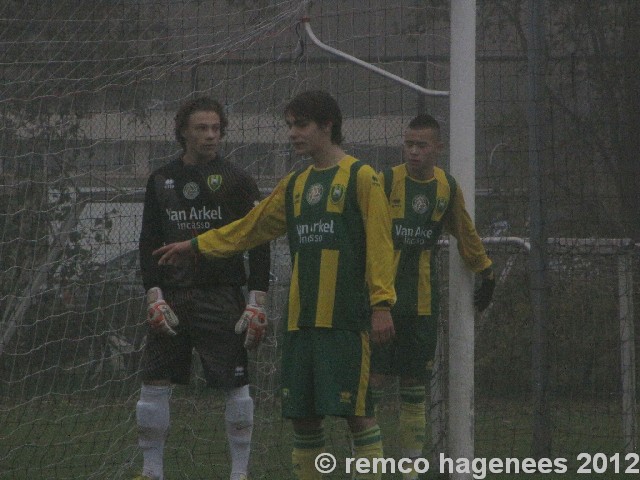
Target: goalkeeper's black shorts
<point>207,318</point>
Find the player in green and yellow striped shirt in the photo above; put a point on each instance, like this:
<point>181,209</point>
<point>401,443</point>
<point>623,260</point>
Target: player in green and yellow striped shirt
<point>336,218</point>
<point>424,200</point>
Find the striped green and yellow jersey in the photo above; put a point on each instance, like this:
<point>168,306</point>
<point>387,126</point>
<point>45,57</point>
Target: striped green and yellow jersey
<point>339,230</point>
<point>420,211</point>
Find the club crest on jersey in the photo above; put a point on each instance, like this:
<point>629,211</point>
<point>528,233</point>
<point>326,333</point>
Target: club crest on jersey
<point>169,184</point>
<point>314,194</point>
<point>345,397</point>
<point>420,204</point>
<point>337,193</point>
<point>191,190</point>
<point>441,204</point>
<point>214,182</point>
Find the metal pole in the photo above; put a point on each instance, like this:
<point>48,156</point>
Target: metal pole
<point>461,319</point>
<point>627,352</point>
<point>541,442</point>
<point>368,66</point>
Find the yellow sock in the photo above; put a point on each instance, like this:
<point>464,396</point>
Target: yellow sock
<point>368,444</point>
<point>306,447</point>
<point>412,421</point>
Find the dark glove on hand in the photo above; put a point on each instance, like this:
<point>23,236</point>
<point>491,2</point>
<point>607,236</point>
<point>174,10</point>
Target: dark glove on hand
<point>483,295</point>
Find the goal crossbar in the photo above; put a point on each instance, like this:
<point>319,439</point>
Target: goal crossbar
<point>425,91</point>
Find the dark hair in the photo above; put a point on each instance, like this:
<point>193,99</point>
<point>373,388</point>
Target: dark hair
<point>320,107</point>
<point>424,120</point>
<point>200,104</point>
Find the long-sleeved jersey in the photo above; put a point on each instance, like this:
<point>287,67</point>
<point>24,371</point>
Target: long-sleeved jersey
<point>182,201</point>
<point>420,210</point>
<point>338,226</point>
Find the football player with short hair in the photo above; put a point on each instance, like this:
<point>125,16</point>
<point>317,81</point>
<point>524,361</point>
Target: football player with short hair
<point>424,201</point>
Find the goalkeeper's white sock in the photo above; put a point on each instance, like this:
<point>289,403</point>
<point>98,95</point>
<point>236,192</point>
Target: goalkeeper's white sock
<point>152,414</point>
<point>238,416</point>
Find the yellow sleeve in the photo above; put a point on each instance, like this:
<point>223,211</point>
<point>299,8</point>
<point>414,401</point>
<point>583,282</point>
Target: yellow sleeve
<point>380,270</point>
<point>458,223</point>
<point>265,222</point>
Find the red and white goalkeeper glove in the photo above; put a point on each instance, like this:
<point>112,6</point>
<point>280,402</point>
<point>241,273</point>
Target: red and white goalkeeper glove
<point>159,314</point>
<point>253,320</point>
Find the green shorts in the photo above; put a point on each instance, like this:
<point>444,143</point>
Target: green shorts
<point>411,352</point>
<point>325,371</point>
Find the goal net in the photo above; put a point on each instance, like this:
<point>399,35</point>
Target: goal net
<point>87,103</point>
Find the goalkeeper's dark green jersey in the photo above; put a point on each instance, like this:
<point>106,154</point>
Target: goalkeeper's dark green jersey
<point>420,211</point>
<point>338,226</point>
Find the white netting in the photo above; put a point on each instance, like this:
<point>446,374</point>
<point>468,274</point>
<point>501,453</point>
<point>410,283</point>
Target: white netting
<point>87,99</point>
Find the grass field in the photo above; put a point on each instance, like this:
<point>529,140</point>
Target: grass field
<point>95,438</point>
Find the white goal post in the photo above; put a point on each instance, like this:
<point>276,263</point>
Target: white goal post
<point>461,314</point>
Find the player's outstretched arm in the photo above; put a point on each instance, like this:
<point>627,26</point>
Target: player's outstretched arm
<point>174,253</point>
